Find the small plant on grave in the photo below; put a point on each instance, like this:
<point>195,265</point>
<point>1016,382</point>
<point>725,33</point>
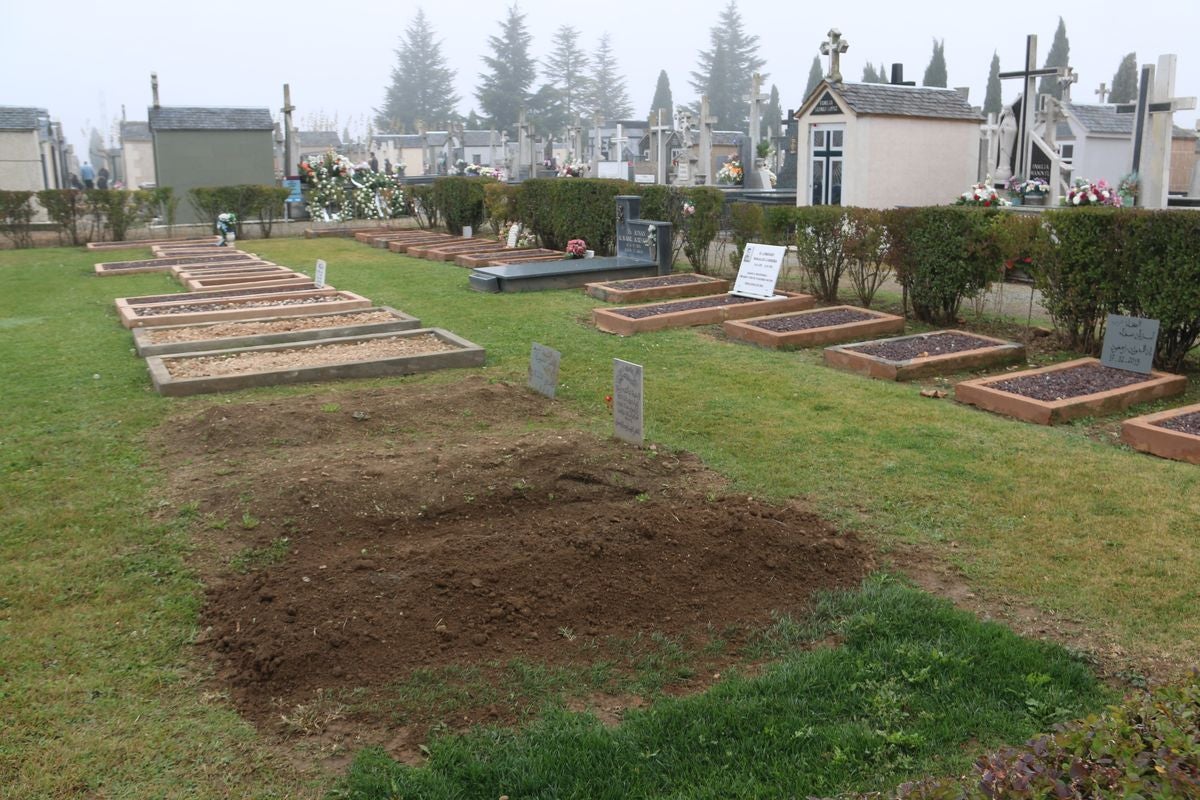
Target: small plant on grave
<point>1086,193</point>
<point>868,244</point>
<point>249,521</point>
<point>982,194</point>
<point>576,248</point>
<point>730,173</point>
<point>1130,187</point>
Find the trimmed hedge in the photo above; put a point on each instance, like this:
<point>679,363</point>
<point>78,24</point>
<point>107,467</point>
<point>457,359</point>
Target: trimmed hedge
<point>244,200</point>
<point>16,217</point>
<point>459,202</point>
<point>66,209</point>
<point>581,208</point>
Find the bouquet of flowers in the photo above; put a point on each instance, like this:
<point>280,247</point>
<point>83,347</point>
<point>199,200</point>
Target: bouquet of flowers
<point>576,248</point>
<point>1130,185</point>
<point>480,171</point>
<point>982,194</point>
<point>1023,187</point>
<point>1085,193</point>
<point>730,172</point>
<point>570,169</point>
<point>688,209</point>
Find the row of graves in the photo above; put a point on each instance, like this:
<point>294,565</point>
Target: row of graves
<point>244,322</point>
<point>755,312</point>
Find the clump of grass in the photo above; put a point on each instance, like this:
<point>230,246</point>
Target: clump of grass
<point>315,716</point>
<point>253,558</point>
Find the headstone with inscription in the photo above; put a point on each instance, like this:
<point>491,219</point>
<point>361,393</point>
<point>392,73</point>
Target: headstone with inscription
<point>1129,343</point>
<point>319,274</point>
<point>543,369</point>
<point>627,402</point>
<point>645,240</point>
<point>759,271</point>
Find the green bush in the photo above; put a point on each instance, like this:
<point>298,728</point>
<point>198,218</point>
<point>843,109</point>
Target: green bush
<point>1163,256</point>
<point>459,201</point>
<point>16,217</point>
<point>942,255</point>
<point>500,205</point>
<point>779,225</point>
<point>560,210</point>
<point>665,204</point>
<point>166,205</point>
<point>868,246</point>
<point>821,247</point>
<point>66,208</point>
<point>424,208</point>
<point>747,225</point>
<point>701,226</point>
<point>115,211</point>
<point>269,205</point>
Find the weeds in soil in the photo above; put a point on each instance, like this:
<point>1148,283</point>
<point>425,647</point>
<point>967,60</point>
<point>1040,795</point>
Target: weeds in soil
<point>256,558</point>
<point>315,716</point>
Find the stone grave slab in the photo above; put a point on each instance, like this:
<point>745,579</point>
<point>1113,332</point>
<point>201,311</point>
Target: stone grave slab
<point>990,352</point>
<point>984,393</point>
<point>707,310</point>
<point>639,254</point>
<point>170,339</point>
<point>1129,343</point>
<point>628,402</point>
<point>246,307</point>
<point>1149,434</point>
<point>543,369</point>
<point>656,287</point>
<point>312,363</point>
<point>813,327</point>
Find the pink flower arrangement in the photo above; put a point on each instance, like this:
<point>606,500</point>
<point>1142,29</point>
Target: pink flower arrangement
<point>576,248</point>
<point>1085,193</point>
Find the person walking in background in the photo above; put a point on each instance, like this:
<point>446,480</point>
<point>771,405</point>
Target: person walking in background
<point>374,162</point>
<point>75,182</point>
<point>387,166</point>
<point>89,176</point>
<point>102,178</point>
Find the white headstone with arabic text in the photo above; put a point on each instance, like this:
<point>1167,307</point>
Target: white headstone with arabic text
<point>759,271</point>
<point>319,275</point>
<point>543,369</point>
<point>1129,343</point>
<point>627,401</point>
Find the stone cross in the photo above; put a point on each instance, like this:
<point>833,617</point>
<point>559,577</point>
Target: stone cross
<point>1029,75</point>
<point>1065,80</point>
<point>660,138</point>
<point>756,98</point>
<point>834,48</point>
<point>1103,92</point>
<point>1154,127</point>
<point>707,121</point>
<point>618,143</point>
<point>575,136</point>
<point>988,131</point>
<point>525,144</point>
<point>597,121</point>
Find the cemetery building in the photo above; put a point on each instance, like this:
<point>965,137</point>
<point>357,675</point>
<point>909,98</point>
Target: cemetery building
<point>1097,142</point>
<point>137,156</point>
<point>885,145</point>
<point>33,154</point>
<point>315,143</point>
<point>197,146</point>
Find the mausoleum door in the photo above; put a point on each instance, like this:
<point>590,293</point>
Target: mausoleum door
<point>828,146</point>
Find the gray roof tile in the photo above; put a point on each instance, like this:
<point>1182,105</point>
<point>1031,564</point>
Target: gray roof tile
<point>16,118</point>
<point>906,101</point>
<point>1105,120</point>
<point>194,118</point>
<point>319,139</point>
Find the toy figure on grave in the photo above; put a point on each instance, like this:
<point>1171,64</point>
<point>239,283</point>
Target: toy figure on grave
<point>227,228</point>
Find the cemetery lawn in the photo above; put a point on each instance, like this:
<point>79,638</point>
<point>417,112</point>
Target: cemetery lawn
<point>1058,531</point>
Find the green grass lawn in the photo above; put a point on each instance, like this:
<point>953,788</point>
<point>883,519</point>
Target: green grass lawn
<point>98,693</point>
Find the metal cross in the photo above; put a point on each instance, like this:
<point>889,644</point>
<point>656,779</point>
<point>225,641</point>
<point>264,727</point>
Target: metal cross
<point>1029,74</point>
<point>834,48</point>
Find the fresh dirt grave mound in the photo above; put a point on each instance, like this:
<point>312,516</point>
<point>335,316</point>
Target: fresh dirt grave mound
<point>356,537</point>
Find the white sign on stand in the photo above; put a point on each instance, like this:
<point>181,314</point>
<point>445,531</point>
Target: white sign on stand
<point>543,369</point>
<point>319,275</point>
<point>1129,343</point>
<point>468,231</point>
<point>627,401</point>
<point>759,271</point>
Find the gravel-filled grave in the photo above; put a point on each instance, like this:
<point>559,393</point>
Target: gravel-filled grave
<point>231,329</point>
<point>642,312</point>
<point>183,296</point>
<point>191,308</point>
<point>657,281</point>
<point>312,356</point>
<point>933,344</point>
<point>1073,382</point>
<point>1184,423</point>
<point>812,319</point>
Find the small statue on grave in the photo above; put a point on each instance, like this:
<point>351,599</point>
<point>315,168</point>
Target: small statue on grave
<point>227,229</point>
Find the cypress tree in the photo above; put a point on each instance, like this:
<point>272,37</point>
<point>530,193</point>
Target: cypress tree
<point>815,76</point>
<point>1125,82</point>
<point>662,97</point>
<point>422,85</point>
<point>935,73</point>
<point>1058,56</point>
<point>993,100</point>
<point>724,71</point>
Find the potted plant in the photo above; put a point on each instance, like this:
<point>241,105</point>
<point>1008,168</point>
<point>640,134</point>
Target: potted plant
<point>982,194</point>
<point>1129,188</point>
<point>1030,192</point>
<point>577,248</point>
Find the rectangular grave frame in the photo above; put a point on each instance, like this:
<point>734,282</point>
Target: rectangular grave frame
<point>1001,353</point>
<point>261,282</point>
<point>106,269</point>
<point>238,276</point>
<point>608,292</point>
<point>607,320</point>
<point>508,256</point>
<point>145,347</point>
<point>208,296</point>
<point>246,308</point>
<point>129,244</point>
<point>401,246</point>
<point>217,269</point>
<point>468,354</point>
<point>1142,434</point>
<point>977,392</point>
<point>745,330</point>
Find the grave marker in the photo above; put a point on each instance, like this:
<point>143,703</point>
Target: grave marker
<point>513,233</point>
<point>1129,343</point>
<point>468,232</point>
<point>627,402</point>
<point>319,275</point>
<point>543,369</point>
<point>759,271</point>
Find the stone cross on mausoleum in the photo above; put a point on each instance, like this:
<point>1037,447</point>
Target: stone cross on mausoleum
<point>834,47</point>
<point>756,98</point>
<point>1103,92</point>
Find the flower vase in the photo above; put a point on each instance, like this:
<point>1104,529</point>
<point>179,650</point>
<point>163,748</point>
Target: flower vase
<point>589,254</point>
<point>1016,199</point>
<point>1035,199</point>
<point>1128,201</point>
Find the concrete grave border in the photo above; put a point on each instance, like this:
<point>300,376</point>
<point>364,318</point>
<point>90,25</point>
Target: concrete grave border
<point>608,292</point>
<point>746,331</point>
<point>257,282</point>
<point>1000,353</point>
<point>1142,434</point>
<point>607,320</point>
<point>249,307</point>
<point>514,255</point>
<point>978,392</point>
<point>145,347</point>
<point>468,354</point>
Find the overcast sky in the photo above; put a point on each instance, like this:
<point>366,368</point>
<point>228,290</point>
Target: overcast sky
<point>83,61</point>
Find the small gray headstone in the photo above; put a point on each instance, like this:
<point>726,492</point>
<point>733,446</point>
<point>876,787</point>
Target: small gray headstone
<point>319,275</point>
<point>1129,343</point>
<point>627,401</point>
<point>543,369</point>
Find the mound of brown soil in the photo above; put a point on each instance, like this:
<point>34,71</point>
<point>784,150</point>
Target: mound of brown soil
<point>431,525</point>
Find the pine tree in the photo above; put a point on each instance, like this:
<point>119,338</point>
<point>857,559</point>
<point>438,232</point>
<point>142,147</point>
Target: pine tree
<point>662,98</point>
<point>422,85</point>
<point>1125,82</point>
<point>993,100</point>
<point>869,74</point>
<point>724,71</point>
<point>567,70</point>
<point>935,73</point>
<point>504,91</point>
<point>774,113</point>
<point>1058,56</point>
<point>815,76</point>
<point>546,110</point>
<point>609,97</point>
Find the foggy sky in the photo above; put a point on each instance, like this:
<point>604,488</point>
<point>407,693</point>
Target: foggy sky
<point>83,61</point>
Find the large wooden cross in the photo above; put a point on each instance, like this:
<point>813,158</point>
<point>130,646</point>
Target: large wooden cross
<point>1029,75</point>
<point>1154,125</point>
<point>834,47</point>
